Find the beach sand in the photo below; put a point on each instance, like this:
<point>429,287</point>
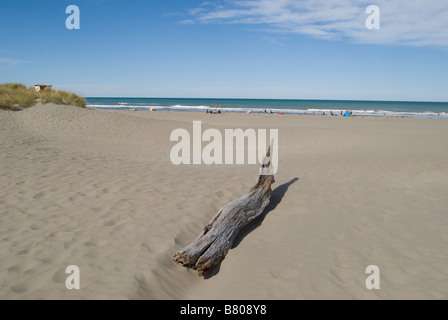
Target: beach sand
<point>97,189</point>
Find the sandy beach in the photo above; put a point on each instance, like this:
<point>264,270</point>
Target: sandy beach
<point>97,189</point>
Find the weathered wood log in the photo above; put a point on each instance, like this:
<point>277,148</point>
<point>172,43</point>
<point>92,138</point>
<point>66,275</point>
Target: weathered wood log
<point>213,243</point>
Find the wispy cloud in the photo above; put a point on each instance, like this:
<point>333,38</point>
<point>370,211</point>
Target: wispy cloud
<point>403,22</point>
<point>187,21</point>
<point>12,61</point>
<point>274,40</point>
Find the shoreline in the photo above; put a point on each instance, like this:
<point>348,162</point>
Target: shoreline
<point>301,107</point>
<point>435,117</point>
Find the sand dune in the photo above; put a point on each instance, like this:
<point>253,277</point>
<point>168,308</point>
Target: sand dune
<point>97,189</point>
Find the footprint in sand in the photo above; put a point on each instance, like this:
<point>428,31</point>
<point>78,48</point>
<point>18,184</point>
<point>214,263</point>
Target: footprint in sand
<point>15,270</point>
<point>37,225</point>
<point>24,251</point>
<point>219,194</point>
<point>39,196</point>
<point>97,242</point>
<point>111,189</point>
<point>112,222</point>
<point>77,196</point>
<point>19,288</point>
<point>60,276</point>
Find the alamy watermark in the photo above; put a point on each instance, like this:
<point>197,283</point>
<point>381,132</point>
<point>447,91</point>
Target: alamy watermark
<point>373,20</point>
<point>73,280</point>
<point>230,150</point>
<point>373,280</point>
<point>73,20</point>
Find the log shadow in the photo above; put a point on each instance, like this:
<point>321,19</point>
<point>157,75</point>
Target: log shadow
<point>213,271</point>
<point>276,197</point>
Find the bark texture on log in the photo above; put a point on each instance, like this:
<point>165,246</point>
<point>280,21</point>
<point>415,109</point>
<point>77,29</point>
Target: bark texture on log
<point>212,244</point>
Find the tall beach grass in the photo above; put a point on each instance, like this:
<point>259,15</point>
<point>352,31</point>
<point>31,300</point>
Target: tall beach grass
<point>13,95</point>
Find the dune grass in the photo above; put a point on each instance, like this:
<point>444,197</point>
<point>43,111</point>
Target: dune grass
<point>13,95</point>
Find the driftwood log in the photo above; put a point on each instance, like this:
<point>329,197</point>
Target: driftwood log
<point>213,243</point>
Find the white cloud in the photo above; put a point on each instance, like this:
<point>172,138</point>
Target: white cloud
<point>403,22</point>
<point>187,21</point>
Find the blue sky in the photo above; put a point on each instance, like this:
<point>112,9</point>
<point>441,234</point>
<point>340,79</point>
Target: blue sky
<point>286,49</point>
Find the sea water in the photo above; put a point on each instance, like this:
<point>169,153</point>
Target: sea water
<point>438,110</point>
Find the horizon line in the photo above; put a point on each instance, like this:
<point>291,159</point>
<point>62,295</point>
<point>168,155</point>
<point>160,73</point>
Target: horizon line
<point>284,99</point>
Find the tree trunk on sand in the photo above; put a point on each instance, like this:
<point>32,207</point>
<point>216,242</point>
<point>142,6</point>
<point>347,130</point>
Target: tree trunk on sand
<point>212,245</point>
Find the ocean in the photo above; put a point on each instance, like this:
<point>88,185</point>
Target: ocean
<point>318,107</point>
